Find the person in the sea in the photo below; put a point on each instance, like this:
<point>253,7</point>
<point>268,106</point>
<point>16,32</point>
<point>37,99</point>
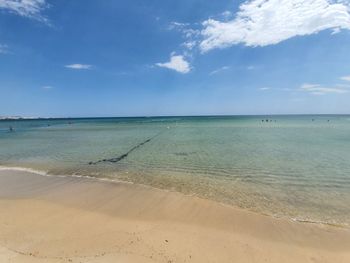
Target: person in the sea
<point>11,129</point>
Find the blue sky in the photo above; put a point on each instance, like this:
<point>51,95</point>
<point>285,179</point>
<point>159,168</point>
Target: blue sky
<point>187,57</point>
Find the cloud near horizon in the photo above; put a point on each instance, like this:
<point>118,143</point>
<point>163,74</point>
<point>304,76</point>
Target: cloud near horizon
<point>268,22</point>
<point>26,8</point>
<point>346,78</point>
<point>317,89</point>
<point>78,66</point>
<point>177,63</point>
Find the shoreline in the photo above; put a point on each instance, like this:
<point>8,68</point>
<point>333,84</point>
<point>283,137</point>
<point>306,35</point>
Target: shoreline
<point>118,181</point>
<point>71,219</point>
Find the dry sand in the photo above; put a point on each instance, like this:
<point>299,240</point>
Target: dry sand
<point>62,219</point>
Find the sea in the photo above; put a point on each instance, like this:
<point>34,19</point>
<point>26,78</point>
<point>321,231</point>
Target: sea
<point>286,166</point>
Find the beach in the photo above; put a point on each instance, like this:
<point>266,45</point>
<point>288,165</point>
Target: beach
<point>175,131</point>
<point>71,219</point>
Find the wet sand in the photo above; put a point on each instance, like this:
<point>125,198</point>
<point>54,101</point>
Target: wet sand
<point>66,219</point>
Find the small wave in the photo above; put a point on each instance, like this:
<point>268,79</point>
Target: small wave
<point>22,169</point>
<point>45,173</point>
<point>310,221</point>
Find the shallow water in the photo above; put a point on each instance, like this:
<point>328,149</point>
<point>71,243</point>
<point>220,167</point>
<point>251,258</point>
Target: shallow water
<point>291,166</point>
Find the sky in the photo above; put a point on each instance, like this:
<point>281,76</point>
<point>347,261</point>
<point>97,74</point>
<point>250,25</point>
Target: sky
<point>64,58</point>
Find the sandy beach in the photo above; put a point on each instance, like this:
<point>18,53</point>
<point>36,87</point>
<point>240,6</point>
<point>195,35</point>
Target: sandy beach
<point>66,219</point>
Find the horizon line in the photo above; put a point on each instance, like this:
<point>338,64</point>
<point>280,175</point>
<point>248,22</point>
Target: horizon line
<point>16,117</point>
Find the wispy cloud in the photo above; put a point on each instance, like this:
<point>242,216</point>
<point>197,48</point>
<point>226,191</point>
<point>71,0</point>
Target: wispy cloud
<point>251,67</point>
<point>264,88</point>
<point>226,14</point>
<point>317,89</point>
<point>189,34</point>
<point>26,8</point>
<point>177,63</point>
<point>78,66</point>
<point>216,71</point>
<point>47,87</point>
<point>3,49</point>
<point>346,78</point>
<point>267,22</point>
<point>177,25</point>
<point>190,44</point>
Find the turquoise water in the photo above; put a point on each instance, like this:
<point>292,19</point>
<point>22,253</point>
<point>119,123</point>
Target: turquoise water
<point>291,166</point>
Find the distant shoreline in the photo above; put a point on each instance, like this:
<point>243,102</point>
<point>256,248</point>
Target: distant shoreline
<point>170,116</point>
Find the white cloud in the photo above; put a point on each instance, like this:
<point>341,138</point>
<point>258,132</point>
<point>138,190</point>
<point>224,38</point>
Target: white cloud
<point>219,70</point>
<point>267,22</point>
<point>78,66</point>
<point>26,8</point>
<point>317,89</point>
<point>346,78</point>
<point>177,63</point>
<point>264,88</point>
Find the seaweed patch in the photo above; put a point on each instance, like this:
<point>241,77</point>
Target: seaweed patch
<point>123,156</point>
